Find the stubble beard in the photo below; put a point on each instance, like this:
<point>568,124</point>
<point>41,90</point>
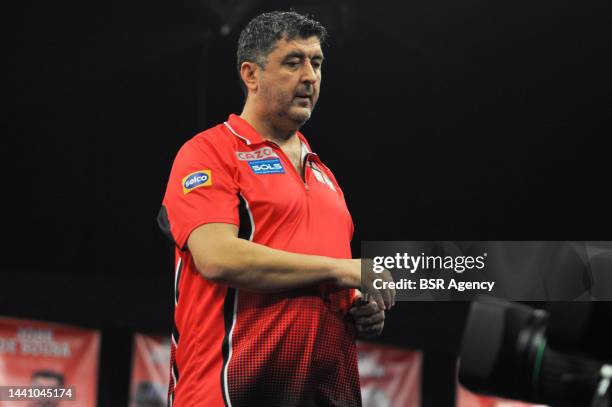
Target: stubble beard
<point>285,112</point>
<point>289,108</point>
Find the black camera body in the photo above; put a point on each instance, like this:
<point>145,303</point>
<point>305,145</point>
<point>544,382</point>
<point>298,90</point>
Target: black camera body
<point>560,356</point>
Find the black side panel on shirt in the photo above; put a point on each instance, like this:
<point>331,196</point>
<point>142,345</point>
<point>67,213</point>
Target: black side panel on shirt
<point>177,282</point>
<point>174,376</point>
<point>164,223</point>
<point>175,371</point>
<point>228,318</point>
<point>244,232</point>
<point>246,227</point>
<point>175,334</point>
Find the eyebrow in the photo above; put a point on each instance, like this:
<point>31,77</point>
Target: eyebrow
<point>301,55</point>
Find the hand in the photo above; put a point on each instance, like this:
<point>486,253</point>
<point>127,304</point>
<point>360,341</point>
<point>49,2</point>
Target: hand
<point>385,297</point>
<point>369,319</point>
<point>350,275</point>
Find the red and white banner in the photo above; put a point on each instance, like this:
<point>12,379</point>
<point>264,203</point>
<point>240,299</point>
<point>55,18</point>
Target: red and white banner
<point>390,377</point>
<point>466,398</point>
<point>34,353</point>
<point>150,371</point>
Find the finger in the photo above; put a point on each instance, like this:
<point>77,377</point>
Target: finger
<point>374,328</point>
<point>371,319</point>
<point>389,293</point>
<point>362,299</point>
<point>371,333</point>
<point>388,299</point>
<point>377,297</point>
<point>362,329</point>
<point>364,310</point>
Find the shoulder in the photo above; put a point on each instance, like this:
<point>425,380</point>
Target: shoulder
<point>216,141</point>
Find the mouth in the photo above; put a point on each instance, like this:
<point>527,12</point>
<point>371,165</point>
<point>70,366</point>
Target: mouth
<point>302,98</point>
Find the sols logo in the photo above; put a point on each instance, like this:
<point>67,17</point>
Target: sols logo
<point>196,180</point>
<point>268,167</point>
<point>271,166</point>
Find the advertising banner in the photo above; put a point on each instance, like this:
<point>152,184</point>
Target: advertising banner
<point>390,377</point>
<point>59,358</point>
<point>466,398</point>
<point>150,371</point>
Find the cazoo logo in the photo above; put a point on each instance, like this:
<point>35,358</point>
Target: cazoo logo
<point>261,153</point>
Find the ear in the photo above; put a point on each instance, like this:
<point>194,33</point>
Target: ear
<point>249,72</point>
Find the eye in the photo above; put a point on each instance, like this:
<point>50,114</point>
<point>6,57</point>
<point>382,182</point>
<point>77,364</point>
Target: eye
<point>292,63</point>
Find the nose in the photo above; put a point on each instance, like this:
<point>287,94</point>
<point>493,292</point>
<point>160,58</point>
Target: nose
<point>309,74</point>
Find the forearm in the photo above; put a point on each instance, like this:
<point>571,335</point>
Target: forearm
<point>244,264</point>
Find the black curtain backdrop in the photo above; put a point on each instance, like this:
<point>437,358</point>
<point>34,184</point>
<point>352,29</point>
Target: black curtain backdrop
<point>442,120</point>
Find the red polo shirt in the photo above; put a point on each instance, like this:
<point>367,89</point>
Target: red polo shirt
<point>236,348</point>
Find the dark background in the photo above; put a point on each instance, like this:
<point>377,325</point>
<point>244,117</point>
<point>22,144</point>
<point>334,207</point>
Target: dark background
<point>442,120</point>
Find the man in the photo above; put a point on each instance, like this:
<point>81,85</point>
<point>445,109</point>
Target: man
<point>264,276</point>
<point>148,394</point>
<point>47,379</point>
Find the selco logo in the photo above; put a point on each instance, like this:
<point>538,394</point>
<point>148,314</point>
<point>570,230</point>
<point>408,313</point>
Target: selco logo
<point>197,179</point>
<point>271,166</point>
<point>264,152</point>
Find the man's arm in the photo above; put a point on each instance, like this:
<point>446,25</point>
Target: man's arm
<point>221,256</point>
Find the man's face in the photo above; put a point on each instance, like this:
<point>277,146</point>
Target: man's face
<point>289,85</point>
<point>44,381</point>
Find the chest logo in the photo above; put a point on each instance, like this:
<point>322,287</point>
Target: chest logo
<point>196,180</point>
<point>321,176</point>
<point>259,154</point>
<point>268,166</point>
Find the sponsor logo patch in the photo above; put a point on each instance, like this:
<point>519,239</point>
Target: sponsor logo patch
<point>196,180</point>
<point>271,166</point>
<point>259,154</point>
<point>322,177</point>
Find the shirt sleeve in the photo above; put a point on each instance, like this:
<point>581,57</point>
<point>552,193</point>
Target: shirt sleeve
<point>201,189</point>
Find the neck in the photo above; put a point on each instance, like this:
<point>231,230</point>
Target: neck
<point>267,128</point>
